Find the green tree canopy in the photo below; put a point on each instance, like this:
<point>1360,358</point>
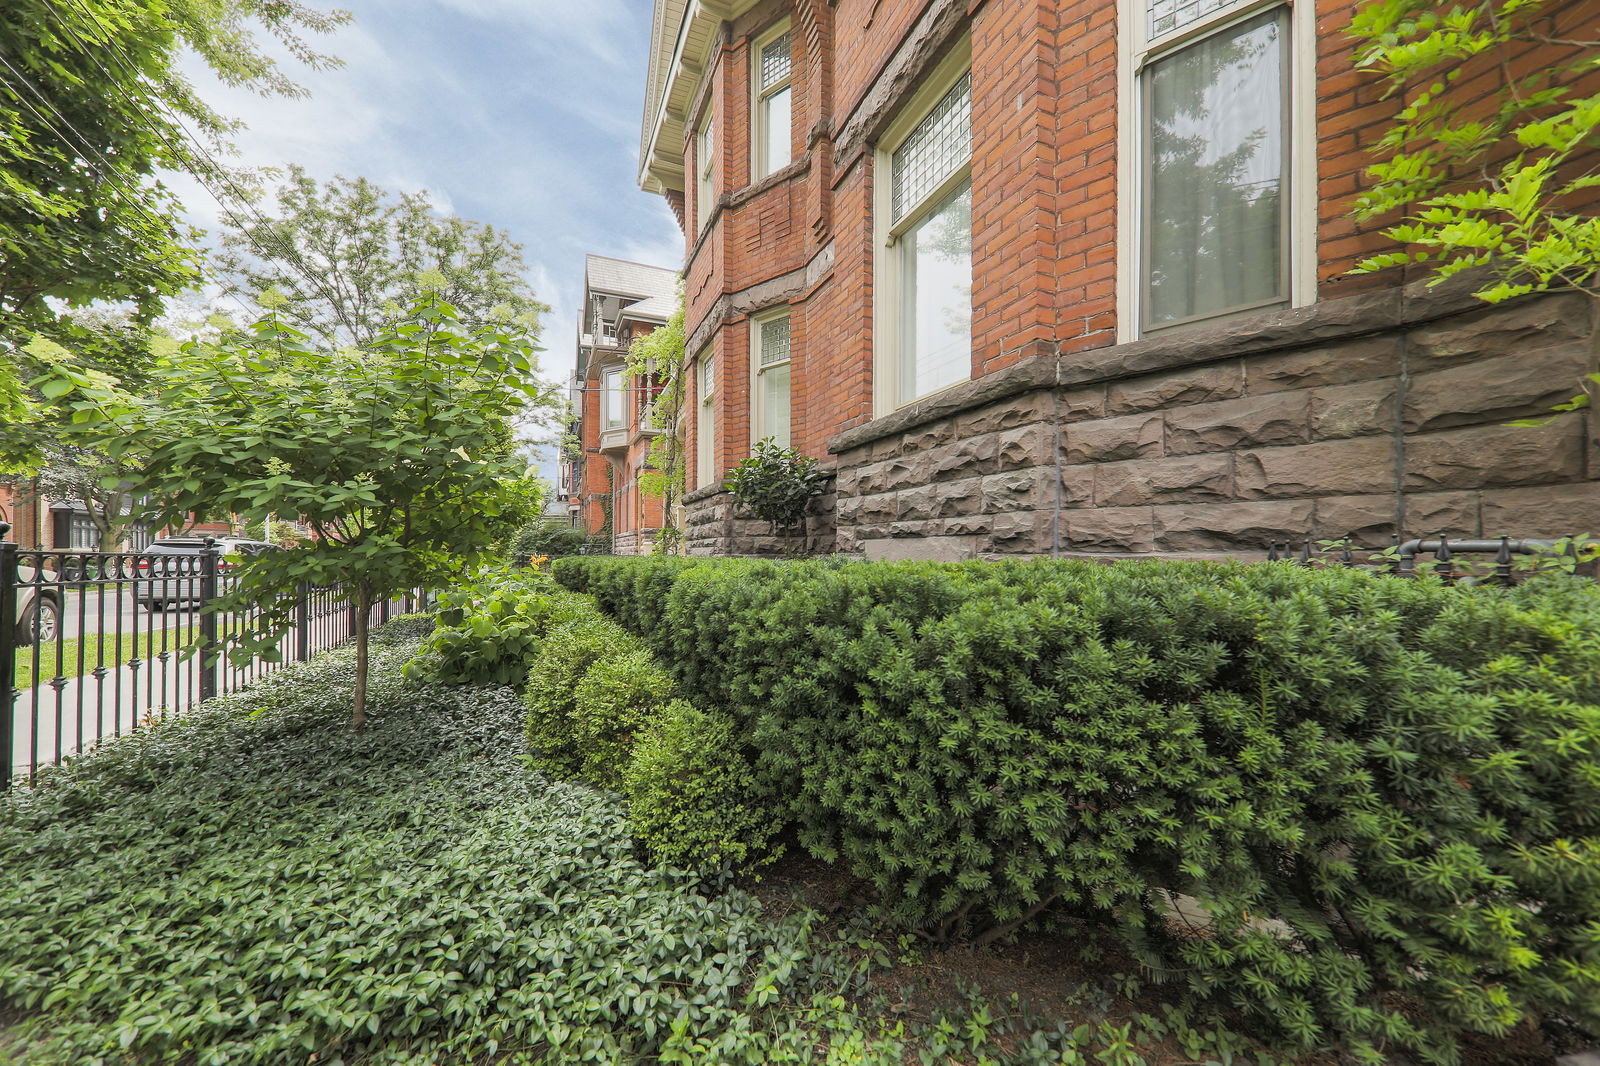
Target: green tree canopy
<point>396,457</point>
<point>346,254</point>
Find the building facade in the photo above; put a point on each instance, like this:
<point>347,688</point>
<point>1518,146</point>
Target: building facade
<point>622,302</point>
<point>1073,277</point>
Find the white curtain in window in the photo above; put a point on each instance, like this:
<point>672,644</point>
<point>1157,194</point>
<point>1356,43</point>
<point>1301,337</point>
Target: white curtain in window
<point>1215,144</point>
<point>936,311</point>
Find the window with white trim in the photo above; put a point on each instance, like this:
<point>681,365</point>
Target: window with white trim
<point>1216,160</point>
<point>705,162</point>
<point>613,401</point>
<point>772,128</point>
<point>769,345</point>
<point>924,317</point>
<point>706,418</point>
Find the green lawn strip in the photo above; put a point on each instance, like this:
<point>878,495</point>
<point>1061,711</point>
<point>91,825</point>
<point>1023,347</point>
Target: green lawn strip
<point>102,649</point>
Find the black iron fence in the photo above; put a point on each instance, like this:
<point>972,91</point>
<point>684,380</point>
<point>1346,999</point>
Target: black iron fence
<point>97,644</point>
<point>1495,559</point>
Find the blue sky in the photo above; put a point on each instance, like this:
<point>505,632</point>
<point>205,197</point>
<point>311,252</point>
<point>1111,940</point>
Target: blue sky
<point>521,113</point>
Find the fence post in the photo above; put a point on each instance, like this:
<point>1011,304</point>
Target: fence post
<point>302,623</point>
<point>208,619</point>
<point>8,653</point>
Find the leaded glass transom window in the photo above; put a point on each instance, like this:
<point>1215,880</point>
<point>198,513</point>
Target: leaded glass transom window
<point>939,145</point>
<point>775,341</point>
<point>775,62</point>
<point>1169,16</point>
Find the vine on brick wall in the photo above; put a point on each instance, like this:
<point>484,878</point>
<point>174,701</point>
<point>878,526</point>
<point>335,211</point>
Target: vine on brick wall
<point>661,354</point>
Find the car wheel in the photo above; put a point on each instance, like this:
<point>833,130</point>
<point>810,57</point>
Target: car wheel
<point>154,605</point>
<point>40,621</point>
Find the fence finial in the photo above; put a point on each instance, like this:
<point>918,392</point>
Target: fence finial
<point>1272,551</point>
<point>1447,568</point>
<point>1502,561</point>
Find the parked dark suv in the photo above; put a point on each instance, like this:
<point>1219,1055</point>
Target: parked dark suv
<point>174,568</point>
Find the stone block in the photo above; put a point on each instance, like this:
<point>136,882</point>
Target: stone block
<point>879,508</point>
<point>1548,511</point>
<point>1017,490</point>
<point>1455,514</point>
<point>1022,532</point>
<point>1494,390</point>
<point>1364,409</point>
<point>846,542</point>
<point>888,475</point>
<point>918,504</point>
<point>1026,446</point>
<point>1363,466</point>
<point>1137,436</point>
<point>963,458</point>
<point>970,524</point>
<point>1221,381</point>
<point>1336,364</point>
<point>1077,485</point>
<point>935,549</point>
<point>1237,525</point>
<point>1083,403</point>
<point>1007,414</point>
<point>928,436</point>
<point>1177,479</point>
<point>1495,455</point>
<point>1278,418</point>
<point>844,481</point>
<point>1367,520</point>
<point>1503,329</point>
<point>1110,529</point>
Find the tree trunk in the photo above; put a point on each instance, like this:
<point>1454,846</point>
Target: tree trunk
<point>358,715</point>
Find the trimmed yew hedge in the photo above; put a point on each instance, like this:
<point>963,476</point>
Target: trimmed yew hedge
<point>1380,796</point>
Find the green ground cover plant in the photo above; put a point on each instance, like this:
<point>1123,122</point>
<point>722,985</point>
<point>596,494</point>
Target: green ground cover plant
<point>257,884</point>
<point>1363,810</point>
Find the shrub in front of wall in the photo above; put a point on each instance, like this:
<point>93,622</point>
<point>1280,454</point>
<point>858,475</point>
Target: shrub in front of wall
<point>692,798</point>
<point>1364,785</point>
<point>569,650</point>
<point>617,696</point>
<point>488,631</point>
<point>549,539</point>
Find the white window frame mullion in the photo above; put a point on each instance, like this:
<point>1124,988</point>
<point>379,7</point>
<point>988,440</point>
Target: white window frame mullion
<point>758,427</point>
<point>758,101</point>
<point>1137,51</point>
<point>887,281</point>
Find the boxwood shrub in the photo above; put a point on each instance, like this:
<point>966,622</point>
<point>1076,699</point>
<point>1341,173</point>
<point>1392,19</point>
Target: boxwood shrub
<point>1359,808</point>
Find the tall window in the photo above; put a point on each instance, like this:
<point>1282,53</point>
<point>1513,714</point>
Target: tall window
<point>1214,145</point>
<point>925,319</point>
<point>769,341</point>
<point>773,123</point>
<point>612,399</point>
<point>705,419</point>
<point>705,155</point>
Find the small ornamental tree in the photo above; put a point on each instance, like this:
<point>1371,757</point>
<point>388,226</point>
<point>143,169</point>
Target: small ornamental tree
<point>776,483</point>
<point>659,354</point>
<point>1493,162</point>
<point>398,457</point>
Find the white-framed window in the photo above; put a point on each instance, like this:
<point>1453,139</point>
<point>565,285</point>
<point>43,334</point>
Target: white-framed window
<point>769,348</point>
<point>706,417</point>
<point>1220,211</point>
<point>923,212</point>
<point>705,164</point>
<point>613,400</point>
<point>772,127</point>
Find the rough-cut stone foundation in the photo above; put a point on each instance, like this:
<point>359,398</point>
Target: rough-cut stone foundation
<point>713,526</point>
<point>1366,417</point>
<point>634,542</point>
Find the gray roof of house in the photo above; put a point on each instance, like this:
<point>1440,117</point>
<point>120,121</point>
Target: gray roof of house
<point>622,278</point>
<point>656,308</point>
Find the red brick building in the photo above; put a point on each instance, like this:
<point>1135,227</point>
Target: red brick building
<point>622,302</point>
<point>1072,276</point>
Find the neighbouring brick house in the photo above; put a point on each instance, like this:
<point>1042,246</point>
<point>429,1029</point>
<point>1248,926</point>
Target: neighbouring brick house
<point>1072,276</point>
<point>41,520</point>
<point>622,302</point>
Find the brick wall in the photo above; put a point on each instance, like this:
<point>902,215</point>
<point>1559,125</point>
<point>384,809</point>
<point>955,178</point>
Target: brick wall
<point>1045,261</point>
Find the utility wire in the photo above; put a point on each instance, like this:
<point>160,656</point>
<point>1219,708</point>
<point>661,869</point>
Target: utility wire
<point>285,249</point>
<point>90,156</point>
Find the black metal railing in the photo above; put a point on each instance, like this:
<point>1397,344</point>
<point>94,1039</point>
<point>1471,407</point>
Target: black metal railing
<point>1499,556</point>
<point>97,644</point>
